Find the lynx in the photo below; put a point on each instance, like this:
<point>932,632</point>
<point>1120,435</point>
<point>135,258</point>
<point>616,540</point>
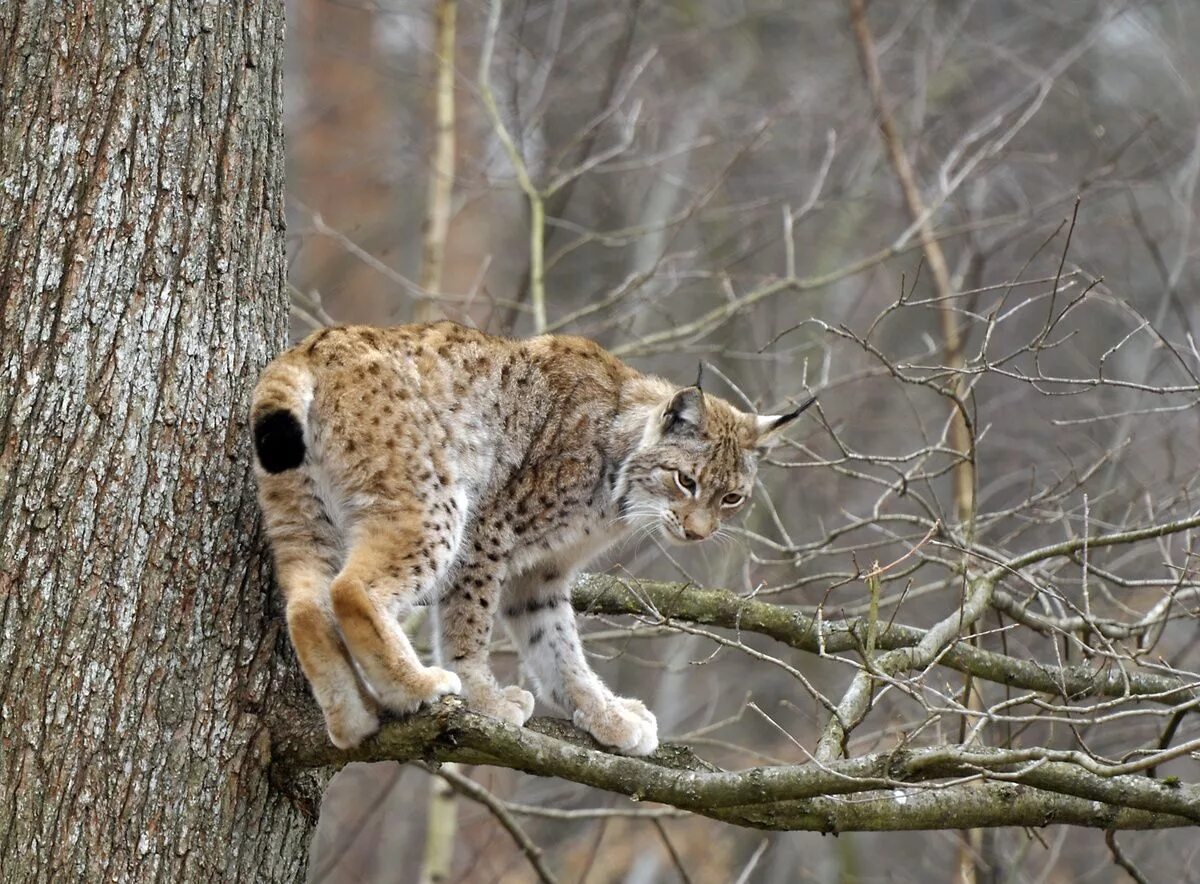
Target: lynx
<point>435,462</point>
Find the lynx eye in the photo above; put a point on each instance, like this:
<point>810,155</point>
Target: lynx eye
<point>685,482</point>
<point>732,499</point>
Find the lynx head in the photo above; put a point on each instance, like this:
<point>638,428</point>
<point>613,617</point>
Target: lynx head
<point>695,465</point>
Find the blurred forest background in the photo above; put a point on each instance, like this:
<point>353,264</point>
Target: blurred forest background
<point>716,187</point>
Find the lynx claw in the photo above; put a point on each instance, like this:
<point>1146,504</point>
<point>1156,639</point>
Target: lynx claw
<point>623,723</point>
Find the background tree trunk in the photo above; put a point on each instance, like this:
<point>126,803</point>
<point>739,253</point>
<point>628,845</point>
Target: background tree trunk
<point>141,281</point>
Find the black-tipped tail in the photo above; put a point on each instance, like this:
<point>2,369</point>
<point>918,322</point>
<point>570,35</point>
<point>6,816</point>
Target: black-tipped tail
<point>279,441</point>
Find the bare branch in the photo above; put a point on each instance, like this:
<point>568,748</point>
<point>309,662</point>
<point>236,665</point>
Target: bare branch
<point>791,797</point>
<point>537,207</point>
<point>468,788</point>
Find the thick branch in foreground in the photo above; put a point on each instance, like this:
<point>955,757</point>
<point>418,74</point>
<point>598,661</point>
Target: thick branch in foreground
<point>896,791</point>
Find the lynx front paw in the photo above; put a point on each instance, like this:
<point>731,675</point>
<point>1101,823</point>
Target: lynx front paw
<point>423,686</point>
<point>623,723</point>
<point>511,704</point>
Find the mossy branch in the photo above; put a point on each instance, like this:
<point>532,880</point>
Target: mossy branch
<point>896,791</point>
<point>602,594</point>
<point>927,788</point>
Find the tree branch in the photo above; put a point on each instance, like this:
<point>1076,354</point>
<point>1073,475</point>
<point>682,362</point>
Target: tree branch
<point>464,785</point>
<point>895,791</point>
<point>961,434</point>
<point>989,787</point>
<point>602,594</point>
<point>537,206</point>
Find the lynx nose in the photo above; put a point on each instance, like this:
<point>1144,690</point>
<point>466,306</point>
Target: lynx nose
<point>697,526</point>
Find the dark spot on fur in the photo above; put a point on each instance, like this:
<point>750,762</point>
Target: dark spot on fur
<point>532,606</point>
<point>317,338</point>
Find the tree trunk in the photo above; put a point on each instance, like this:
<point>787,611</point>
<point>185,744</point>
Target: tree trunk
<point>141,287</point>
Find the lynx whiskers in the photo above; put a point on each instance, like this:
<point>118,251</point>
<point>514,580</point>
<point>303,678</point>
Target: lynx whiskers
<point>436,461</point>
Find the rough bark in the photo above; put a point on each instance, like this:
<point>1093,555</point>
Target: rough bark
<point>141,286</point>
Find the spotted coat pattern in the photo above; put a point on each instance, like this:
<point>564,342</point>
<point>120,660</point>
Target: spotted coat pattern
<point>436,462</point>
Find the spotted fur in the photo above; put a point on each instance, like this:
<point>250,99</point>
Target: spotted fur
<point>438,462</point>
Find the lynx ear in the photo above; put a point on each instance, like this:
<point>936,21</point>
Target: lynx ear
<point>768,426</point>
<point>685,411</point>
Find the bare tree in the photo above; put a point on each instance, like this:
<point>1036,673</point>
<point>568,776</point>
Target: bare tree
<point>965,597</point>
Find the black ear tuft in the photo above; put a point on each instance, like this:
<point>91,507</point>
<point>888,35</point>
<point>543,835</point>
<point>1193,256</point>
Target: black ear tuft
<point>279,441</point>
<point>685,412</point>
<point>770,425</point>
<point>786,419</point>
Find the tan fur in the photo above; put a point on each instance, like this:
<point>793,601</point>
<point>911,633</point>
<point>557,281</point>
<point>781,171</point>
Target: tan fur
<point>443,463</point>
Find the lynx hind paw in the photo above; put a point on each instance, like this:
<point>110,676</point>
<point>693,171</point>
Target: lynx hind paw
<point>623,723</point>
<point>349,725</point>
<point>522,700</point>
<point>511,704</point>
<point>425,686</point>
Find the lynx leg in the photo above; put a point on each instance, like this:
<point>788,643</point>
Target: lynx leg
<point>348,717</point>
<point>539,616</point>
<point>305,551</point>
<point>384,571</point>
<point>467,614</point>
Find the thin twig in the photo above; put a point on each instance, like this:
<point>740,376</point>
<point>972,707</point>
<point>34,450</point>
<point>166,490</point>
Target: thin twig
<point>468,788</point>
<point>537,208</point>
